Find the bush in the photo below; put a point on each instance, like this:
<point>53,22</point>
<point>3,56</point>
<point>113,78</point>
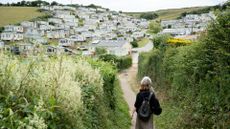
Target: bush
<point>59,92</point>
<point>178,42</point>
<point>100,51</point>
<point>149,16</point>
<point>155,27</point>
<point>38,91</point>
<point>120,62</point>
<point>134,44</point>
<point>124,62</point>
<point>160,40</point>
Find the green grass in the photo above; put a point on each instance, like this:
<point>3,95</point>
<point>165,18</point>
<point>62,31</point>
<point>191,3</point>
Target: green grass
<point>143,42</point>
<point>53,42</point>
<point>169,117</point>
<point>121,118</point>
<point>15,15</point>
<point>168,14</point>
<point>174,13</point>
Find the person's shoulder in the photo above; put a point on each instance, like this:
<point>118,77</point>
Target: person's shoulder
<point>139,93</point>
<point>153,94</point>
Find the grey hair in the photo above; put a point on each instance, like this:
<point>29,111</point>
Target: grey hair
<point>146,81</point>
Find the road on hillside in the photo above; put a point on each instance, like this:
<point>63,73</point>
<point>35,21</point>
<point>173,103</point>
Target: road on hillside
<point>129,94</point>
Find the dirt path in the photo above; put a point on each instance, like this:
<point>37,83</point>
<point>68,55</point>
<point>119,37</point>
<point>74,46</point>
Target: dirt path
<point>129,94</point>
<point>128,82</point>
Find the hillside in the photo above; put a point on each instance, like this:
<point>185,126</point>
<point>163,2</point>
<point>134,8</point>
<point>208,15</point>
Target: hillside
<point>14,15</point>
<point>168,14</point>
<point>175,13</point>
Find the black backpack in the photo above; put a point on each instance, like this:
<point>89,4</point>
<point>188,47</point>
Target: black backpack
<point>145,111</point>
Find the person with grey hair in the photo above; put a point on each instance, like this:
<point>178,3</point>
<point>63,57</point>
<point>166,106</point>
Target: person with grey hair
<point>146,94</point>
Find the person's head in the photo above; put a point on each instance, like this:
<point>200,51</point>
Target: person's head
<point>146,83</point>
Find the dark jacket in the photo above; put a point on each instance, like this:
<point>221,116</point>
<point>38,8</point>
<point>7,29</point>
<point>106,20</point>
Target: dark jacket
<point>154,103</point>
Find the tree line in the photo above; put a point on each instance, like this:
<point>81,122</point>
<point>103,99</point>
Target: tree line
<point>24,3</point>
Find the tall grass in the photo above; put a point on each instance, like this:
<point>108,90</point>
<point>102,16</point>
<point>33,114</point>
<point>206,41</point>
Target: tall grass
<point>55,92</point>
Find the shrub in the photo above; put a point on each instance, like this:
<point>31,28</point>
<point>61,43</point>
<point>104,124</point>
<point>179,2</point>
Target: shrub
<point>155,27</point>
<point>58,92</point>
<point>120,62</point>
<point>160,40</point>
<point>178,42</point>
<point>48,80</point>
<point>149,16</point>
<point>100,51</point>
<point>134,44</point>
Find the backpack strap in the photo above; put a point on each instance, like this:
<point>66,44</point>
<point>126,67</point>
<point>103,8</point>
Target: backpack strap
<point>150,96</point>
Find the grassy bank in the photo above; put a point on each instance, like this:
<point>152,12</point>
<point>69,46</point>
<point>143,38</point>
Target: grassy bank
<point>143,42</point>
<point>168,14</point>
<point>14,15</point>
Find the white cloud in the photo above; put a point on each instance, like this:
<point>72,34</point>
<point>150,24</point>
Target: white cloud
<point>138,5</point>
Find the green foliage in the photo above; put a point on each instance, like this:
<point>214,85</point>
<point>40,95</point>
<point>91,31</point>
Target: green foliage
<point>207,9</point>
<point>1,29</point>
<point>54,3</point>
<point>59,92</point>
<point>100,51</point>
<point>160,40</point>
<point>196,78</point>
<point>93,6</point>
<point>119,115</point>
<point>124,62</point>
<point>81,22</point>
<point>154,27</point>
<point>36,3</point>
<point>41,79</point>
<point>134,44</point>
<point>120,62</point>
<point>149,16</point>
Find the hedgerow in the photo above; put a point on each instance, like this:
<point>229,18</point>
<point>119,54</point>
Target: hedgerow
<point>121,63</point>
<point>58,93</point>
<point>195,78</point>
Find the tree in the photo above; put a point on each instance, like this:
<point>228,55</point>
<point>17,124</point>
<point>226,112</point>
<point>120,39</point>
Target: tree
<point>93,6</point>
<point>18,4</point>
<point>155,27</point>
<point>54,3</point>
<point>149,16</point>
<point>134,43</point>
<point>23,3</point>
<point>100,51</point>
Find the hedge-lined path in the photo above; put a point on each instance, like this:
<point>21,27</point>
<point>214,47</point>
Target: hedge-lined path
<point>127,76</point>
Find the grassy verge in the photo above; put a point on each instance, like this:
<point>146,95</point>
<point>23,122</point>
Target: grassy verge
<point>171,113</point>
<point>169,117</point>
<point>143,42</point>
<point>120,118</point>
<point>15,15</point>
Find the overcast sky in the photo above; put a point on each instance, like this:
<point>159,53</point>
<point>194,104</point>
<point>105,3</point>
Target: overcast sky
<point>137,5</point>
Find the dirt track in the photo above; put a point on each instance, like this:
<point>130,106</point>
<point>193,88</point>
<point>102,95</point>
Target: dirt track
<point>129,95</point>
